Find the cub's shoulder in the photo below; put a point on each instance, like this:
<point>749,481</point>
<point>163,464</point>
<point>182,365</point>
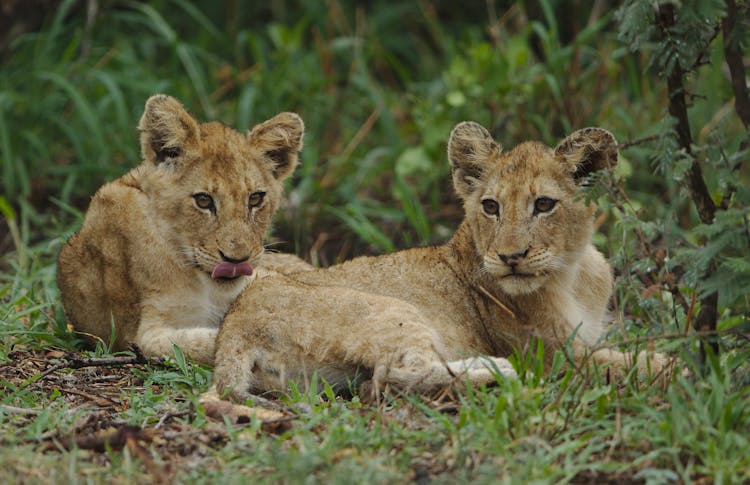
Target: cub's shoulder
<point>124,193</point>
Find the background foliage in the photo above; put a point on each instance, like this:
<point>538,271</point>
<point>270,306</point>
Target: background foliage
<point>379,85</point>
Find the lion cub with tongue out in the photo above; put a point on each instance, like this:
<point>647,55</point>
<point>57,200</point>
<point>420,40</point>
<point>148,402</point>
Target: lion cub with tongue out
<point>166,249</point>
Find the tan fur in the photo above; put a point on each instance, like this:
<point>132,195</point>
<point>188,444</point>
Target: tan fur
<point>142,262</point>
<point>409,317</point>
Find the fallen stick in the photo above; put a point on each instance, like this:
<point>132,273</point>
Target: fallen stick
<point>74,361</point>
<point>15,410</point>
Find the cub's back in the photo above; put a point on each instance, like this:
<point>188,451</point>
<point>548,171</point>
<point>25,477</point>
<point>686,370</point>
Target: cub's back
<point>422,277</point>
<point>93,268</point>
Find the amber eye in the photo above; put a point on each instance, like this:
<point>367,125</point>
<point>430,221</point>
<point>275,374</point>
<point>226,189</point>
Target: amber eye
<point>255,199</point>
<point>490,207</point>
<point>204,201</point>
<point>544,204</point>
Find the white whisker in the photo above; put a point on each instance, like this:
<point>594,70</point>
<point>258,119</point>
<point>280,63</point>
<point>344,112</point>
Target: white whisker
<point>556,263</point>
<point>204,258</point>
<point>277,243</point>
<point>189,259</point>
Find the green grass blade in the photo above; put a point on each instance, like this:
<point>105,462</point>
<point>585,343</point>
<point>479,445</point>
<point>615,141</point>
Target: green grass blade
<point>11,186</point>
<point>355,219</point>
<point>204,22</point>
<point>194,72</point>
<point>86,112</point>
<point>415,214</point>
<point>156,22</point>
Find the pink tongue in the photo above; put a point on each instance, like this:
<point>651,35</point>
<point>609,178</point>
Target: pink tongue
<point>231,270</point>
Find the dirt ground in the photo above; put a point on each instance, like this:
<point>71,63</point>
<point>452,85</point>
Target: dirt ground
<point>95,387</point>
<point>98,391</point>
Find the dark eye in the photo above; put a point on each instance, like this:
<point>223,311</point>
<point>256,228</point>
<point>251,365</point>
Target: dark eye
<point>204,201</point>
<point>490,207</point>
<point>544,204</point>
<point>171,152</point>
<point>255,199</point>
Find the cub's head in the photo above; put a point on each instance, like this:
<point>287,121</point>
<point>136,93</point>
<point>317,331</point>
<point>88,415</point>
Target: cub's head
<point>527,217</point>
<point>213,190</point>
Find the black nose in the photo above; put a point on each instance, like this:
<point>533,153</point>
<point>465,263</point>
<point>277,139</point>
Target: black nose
<point>513,259</point>
<point>229,259</point>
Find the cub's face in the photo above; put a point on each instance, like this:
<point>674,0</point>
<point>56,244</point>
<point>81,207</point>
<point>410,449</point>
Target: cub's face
<point>528,220</point>
<point>215,190</point>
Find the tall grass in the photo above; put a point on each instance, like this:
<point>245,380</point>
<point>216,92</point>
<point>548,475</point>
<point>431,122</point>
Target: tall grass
<point>379,88</point>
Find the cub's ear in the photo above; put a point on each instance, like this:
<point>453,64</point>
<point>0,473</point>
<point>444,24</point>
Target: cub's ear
<point>280,140</point>
<point>167,130</point>
<point>470,150</point>
<point>587,150</point>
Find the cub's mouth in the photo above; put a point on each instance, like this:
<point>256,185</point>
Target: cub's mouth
<point>226,271</point>
<point>521,275</point>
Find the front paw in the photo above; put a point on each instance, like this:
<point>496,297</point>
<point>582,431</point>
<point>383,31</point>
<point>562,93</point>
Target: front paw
<point>658,367</point>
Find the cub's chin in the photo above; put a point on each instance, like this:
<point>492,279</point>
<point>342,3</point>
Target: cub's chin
<point>520,283</point>
<point>228,281</point>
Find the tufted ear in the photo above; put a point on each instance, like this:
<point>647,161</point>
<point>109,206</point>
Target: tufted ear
<point>470,149</point>
<point>167,130</point>
<point>280,140</point>
<point>587,151</point>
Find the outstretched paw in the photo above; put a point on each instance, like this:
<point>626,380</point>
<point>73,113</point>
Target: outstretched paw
<point>483,368</point>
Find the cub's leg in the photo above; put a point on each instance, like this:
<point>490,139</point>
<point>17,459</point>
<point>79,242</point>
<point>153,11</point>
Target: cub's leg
<point>332,332</point>
<point>409,361</point>
<point>497,365</point>
<point>586,349</point>
<point>156,336</point>
<point>647,364</point>
<point>424,370</point>
<point>237,373</point>
<point>156,339</point>
<point>264,357</point>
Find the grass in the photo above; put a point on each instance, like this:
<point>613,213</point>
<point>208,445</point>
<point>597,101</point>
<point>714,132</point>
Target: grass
<point>379,88</point>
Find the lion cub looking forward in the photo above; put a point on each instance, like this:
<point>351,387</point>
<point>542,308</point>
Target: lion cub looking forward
<point>520,265</point>
<point>165,249</point>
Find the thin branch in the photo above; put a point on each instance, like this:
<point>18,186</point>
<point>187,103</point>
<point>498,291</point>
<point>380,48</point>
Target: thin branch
<point>666,336</point>
<point>733,57</point>
<point>726,199</point>
<point>74,361</point>
<point>637,141</point>
<point>169,416</point>
<point>497,302</point>
<point>678,109</point>
<point>665,20</point>
<point>703,58</point>
<point>100,401</point>
<point>361,133</point>
<point>4,408</point>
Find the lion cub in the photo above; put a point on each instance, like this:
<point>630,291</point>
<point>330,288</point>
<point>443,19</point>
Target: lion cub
<point>521,265</point>
<point>165,249</point>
